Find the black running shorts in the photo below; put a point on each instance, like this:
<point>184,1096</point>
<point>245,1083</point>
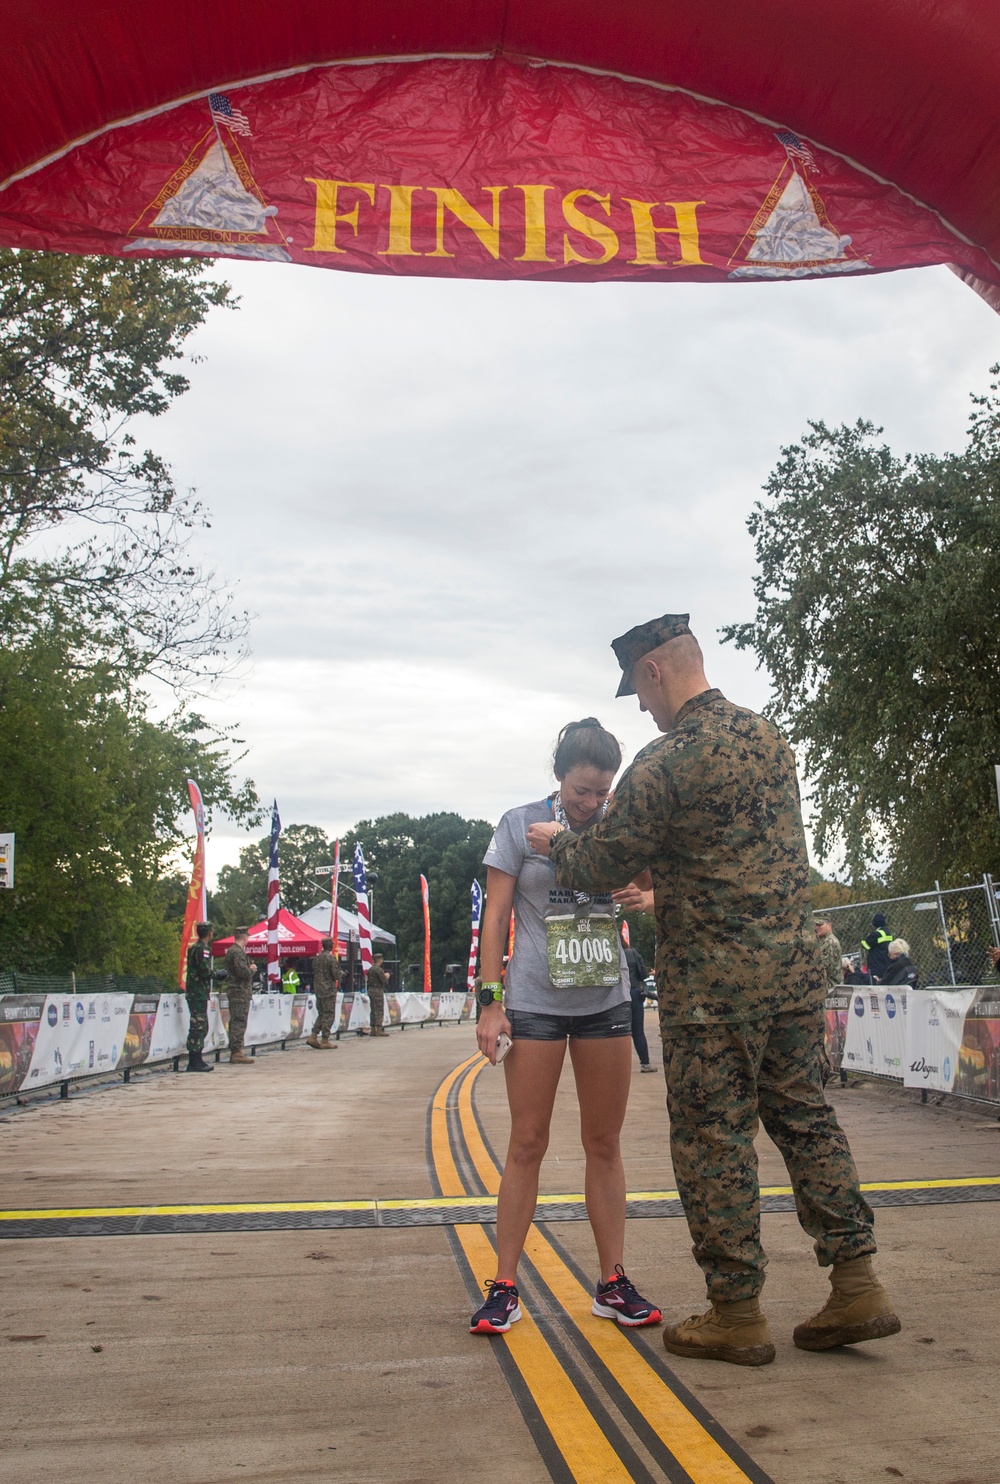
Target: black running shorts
<point>526,1025</point>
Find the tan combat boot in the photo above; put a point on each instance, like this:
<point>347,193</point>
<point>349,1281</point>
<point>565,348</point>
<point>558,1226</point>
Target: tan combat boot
<point>858,1309</point>
<point>736,1331</point>
<point>314,1041</point>
<point>326,1044</point>
<point>238,1059</point>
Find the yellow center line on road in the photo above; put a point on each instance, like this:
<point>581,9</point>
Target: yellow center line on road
<point>430,1203</point>
<point>687,1439</point>
<point>253,1208</point>
<point>585,1450</point>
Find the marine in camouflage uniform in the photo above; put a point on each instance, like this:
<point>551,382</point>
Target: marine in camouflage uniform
<point>831,954</point>
<point>712,810</point>
<point>197,988</point>
<point>326,981</point>
<point>378,983</point>
<point>239,989</point>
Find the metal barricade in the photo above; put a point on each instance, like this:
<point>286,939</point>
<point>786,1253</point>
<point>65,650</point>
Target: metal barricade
<point>949,932</point>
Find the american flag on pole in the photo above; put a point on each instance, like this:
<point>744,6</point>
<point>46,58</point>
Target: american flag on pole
<point>364,914</point>
<point>477,913</point>
<point>796,148</point>
<point>335,887</point>
<point>223,112</point>
<point>273,904</point>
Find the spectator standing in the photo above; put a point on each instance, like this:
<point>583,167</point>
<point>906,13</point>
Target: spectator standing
<point>326,982</point>
<point>831,954</point>
<point>637,993</point>
<point>290,980</point>
<point>378,983</point>
<point>197,988</point>
<point>239,986</point>
<point>876,947</point>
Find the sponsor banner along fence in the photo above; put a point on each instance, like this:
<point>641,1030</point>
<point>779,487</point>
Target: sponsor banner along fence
<point>941,1039</point>
<point>47,1039</point>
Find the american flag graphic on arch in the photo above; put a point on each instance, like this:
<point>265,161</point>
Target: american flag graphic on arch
<point>223,112</point>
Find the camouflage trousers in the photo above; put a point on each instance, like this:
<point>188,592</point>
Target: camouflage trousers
<point>722,1081</point>
<point>198,1029</point>
<point>326,1009</point>
<point>239,1012</point>
<point>377,997</point>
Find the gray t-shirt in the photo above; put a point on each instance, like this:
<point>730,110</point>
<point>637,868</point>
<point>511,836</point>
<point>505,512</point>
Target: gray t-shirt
<point>536,896</point>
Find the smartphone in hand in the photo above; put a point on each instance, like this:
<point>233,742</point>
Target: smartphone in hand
<point>504,1043</point>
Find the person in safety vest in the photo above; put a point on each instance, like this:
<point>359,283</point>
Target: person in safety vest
<point>876,947</point>
<point>290,980</point>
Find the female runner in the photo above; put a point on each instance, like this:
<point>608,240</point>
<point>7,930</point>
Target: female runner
<point>566,982</point>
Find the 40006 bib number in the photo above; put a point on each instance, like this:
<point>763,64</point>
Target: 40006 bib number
<point>582,951</point>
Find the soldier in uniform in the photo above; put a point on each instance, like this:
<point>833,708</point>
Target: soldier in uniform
<point>378,983</point>
<point>712,810</point>
<point>831,953</point>
<point>239,986</point>
<point>326,982</point>
<point>198,987</point>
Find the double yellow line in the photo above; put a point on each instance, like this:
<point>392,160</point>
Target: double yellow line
<point>687,1446</point>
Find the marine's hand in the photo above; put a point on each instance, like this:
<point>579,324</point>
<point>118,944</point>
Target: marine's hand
<point>492,1022</point>
<point>633,898</point>
<point>540,836</point>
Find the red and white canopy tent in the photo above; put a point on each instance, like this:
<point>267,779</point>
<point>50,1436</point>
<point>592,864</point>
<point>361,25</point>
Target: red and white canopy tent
<point>296,939</point>
<point>299,938</point>
<point>740,140</point>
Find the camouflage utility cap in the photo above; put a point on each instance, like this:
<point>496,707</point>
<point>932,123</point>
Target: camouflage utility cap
<point>643,639</point>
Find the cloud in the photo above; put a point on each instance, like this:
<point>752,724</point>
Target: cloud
<point>442,500</point>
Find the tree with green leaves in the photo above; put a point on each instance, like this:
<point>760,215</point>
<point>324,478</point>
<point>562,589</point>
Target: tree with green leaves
<point>445,848</point>
<point>878,623</point>
<point>94,788</point>
<point>98,595</point>
<point>92,526</point>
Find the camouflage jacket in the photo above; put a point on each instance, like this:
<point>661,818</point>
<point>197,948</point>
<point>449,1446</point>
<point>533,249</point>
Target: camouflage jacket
<point>199,969</point>
<point>831,953</point>
<point>378,979</point>
<point>712,809</point>
<point>239,970</point>
<point>327,973</point>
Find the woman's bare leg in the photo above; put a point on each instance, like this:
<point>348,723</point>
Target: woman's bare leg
<point>532,1069</point>
<point>603,1070</point>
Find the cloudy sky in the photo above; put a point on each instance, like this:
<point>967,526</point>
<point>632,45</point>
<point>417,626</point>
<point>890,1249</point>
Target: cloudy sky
<point>442,500</point>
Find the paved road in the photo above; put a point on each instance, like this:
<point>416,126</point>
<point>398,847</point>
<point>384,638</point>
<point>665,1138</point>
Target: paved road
<point>309,1336</point>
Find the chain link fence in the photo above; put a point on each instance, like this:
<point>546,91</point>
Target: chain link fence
<point>949,932</point>
<point>69,984</point>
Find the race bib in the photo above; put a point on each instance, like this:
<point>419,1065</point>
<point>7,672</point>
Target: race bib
<point>583,951</point>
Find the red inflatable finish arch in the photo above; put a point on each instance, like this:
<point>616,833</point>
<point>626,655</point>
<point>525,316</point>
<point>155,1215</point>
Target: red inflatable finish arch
<point>727,139</point>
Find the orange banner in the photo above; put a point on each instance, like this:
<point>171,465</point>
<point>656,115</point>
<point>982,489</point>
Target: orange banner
<point>425,897</point>
<point>196,909</point>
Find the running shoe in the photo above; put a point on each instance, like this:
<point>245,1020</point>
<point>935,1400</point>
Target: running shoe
<point>499,1312</point>
<point>620,1300</point>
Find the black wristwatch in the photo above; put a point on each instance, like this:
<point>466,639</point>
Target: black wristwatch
<point>487,993</point>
